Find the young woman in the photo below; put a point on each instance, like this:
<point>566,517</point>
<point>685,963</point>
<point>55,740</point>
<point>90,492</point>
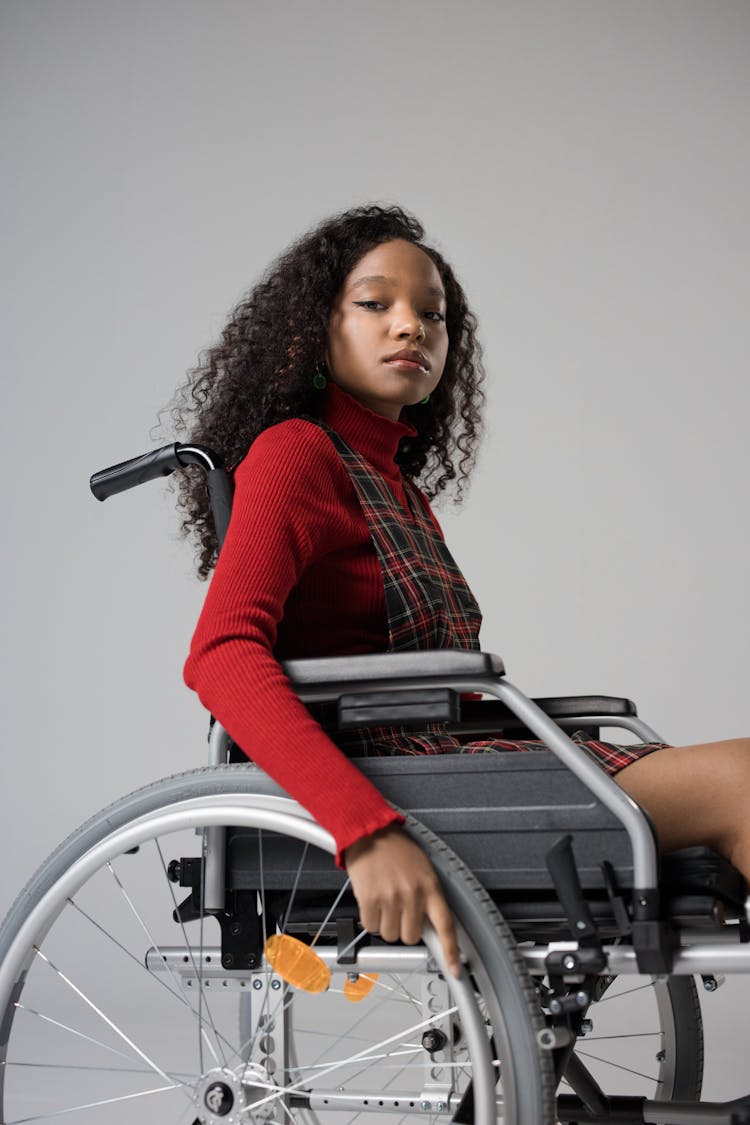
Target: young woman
<point>349,372</point>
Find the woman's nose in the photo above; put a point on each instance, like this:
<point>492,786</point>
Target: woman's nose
<point>410,325</point>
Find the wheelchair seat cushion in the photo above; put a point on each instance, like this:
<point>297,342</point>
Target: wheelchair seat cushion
<point>434,738</point>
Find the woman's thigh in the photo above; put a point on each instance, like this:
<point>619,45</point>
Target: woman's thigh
<point>697,795</point>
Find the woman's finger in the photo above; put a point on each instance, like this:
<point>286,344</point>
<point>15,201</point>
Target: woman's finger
<point>390,922</point>
<point>369,916</point>
<point>412,919</point>
<point>438,912</point>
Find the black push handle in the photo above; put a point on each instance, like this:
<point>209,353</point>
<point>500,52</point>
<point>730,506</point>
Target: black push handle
<point>162,462</point>
<point>129,474</point>
<point>220,492</point>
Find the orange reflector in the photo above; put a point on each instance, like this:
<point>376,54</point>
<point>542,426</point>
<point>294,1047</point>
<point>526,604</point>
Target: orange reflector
<point>356,990</point>
<point>297,963</point>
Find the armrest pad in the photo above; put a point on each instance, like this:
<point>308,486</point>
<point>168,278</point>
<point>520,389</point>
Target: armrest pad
<point>380,668</point>
<point>557,707</point>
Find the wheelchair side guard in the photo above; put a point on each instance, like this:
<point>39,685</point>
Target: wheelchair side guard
<point>325,678</point>
<point>398,675</point>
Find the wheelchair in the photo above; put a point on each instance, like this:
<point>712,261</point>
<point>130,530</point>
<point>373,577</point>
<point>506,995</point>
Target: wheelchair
<point>192,954</point>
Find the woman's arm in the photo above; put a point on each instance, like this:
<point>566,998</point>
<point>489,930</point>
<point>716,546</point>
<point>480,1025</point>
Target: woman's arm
<point>281,523</point>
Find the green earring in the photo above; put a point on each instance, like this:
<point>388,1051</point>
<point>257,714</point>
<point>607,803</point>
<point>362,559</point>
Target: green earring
<point>319,379</point>
<point>424,401</point>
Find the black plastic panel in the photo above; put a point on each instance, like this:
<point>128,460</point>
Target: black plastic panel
<point>414,708</point>
<point>499,812</point>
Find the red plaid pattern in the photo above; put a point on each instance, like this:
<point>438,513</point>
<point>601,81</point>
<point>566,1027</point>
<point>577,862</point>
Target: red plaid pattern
<point>427,598</point>
<point>611,756</point>
<point>429,605</point>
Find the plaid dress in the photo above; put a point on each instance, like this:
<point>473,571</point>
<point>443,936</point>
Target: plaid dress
<point>429,605</point>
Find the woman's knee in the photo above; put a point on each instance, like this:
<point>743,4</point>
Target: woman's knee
<point>727,793</point>
<point>697,794</point>
<point>730,758</point>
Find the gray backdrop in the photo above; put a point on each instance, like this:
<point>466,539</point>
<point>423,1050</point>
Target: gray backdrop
<point>585,166</point>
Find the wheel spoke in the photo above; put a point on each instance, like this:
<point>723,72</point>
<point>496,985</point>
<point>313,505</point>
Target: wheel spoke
<point>178,995</point>
<point>406,997</point>
<point>202,1001</point>
<point>110,1023</point>
<point>329,915</point>
<point>367,1059</point>
<point>89,1105</point>
<point>625,992</point>
<point>624,1035</point>
<point>79,1066</point>
<point>283,1002</point>
<point>295,884</point>
<point>264,1012</point>
<point>617,1066</point>
<point>399,1070</point>
<point>329,1068</point>
<point>371,1010</point>
<point>355,940</point>
<point>72,1031</point>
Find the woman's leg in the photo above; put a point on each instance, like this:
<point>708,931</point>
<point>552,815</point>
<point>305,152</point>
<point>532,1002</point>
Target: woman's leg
<point>697,795</point>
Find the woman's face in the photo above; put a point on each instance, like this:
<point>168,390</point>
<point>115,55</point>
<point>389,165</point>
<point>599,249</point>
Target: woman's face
<point>392,301</point>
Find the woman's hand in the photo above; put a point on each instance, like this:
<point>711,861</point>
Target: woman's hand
<point>396,886</point>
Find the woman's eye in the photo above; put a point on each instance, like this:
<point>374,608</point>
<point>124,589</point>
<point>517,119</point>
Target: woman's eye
<point>430,314</point>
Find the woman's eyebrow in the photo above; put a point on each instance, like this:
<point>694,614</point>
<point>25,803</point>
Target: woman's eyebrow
<point>431,289</point>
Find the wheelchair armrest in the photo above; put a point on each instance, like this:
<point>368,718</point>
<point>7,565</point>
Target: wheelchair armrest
<point>491,716</point>
<point>557,707</point>
<point>574,706</point>
<point>326,677</point>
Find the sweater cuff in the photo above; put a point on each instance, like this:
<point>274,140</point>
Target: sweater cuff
<point>383,821</point>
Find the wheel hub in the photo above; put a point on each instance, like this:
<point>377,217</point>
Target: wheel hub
<point>220,1098</point>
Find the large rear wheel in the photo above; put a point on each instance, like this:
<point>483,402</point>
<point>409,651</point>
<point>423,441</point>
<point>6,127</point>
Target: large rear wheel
<point>110,1008</point>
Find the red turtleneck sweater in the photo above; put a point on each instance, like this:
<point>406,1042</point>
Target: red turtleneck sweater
<point>298,576</point>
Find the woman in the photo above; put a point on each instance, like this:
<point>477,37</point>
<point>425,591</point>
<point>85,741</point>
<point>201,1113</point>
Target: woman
<point>349,371</point>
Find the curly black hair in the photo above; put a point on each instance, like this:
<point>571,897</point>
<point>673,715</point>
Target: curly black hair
<point>261,370</point>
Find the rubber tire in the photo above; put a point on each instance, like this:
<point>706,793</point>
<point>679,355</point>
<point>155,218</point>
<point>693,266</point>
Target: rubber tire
<point>688,1028</point>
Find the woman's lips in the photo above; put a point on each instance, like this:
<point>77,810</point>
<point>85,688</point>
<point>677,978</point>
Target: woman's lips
<point>409,359</point>
<point>407,364</point>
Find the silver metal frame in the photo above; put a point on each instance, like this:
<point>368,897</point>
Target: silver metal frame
<point>630,815</point>
<point>695,955</point>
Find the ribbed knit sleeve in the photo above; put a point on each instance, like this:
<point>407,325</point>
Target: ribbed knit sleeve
<point>287,514</point>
